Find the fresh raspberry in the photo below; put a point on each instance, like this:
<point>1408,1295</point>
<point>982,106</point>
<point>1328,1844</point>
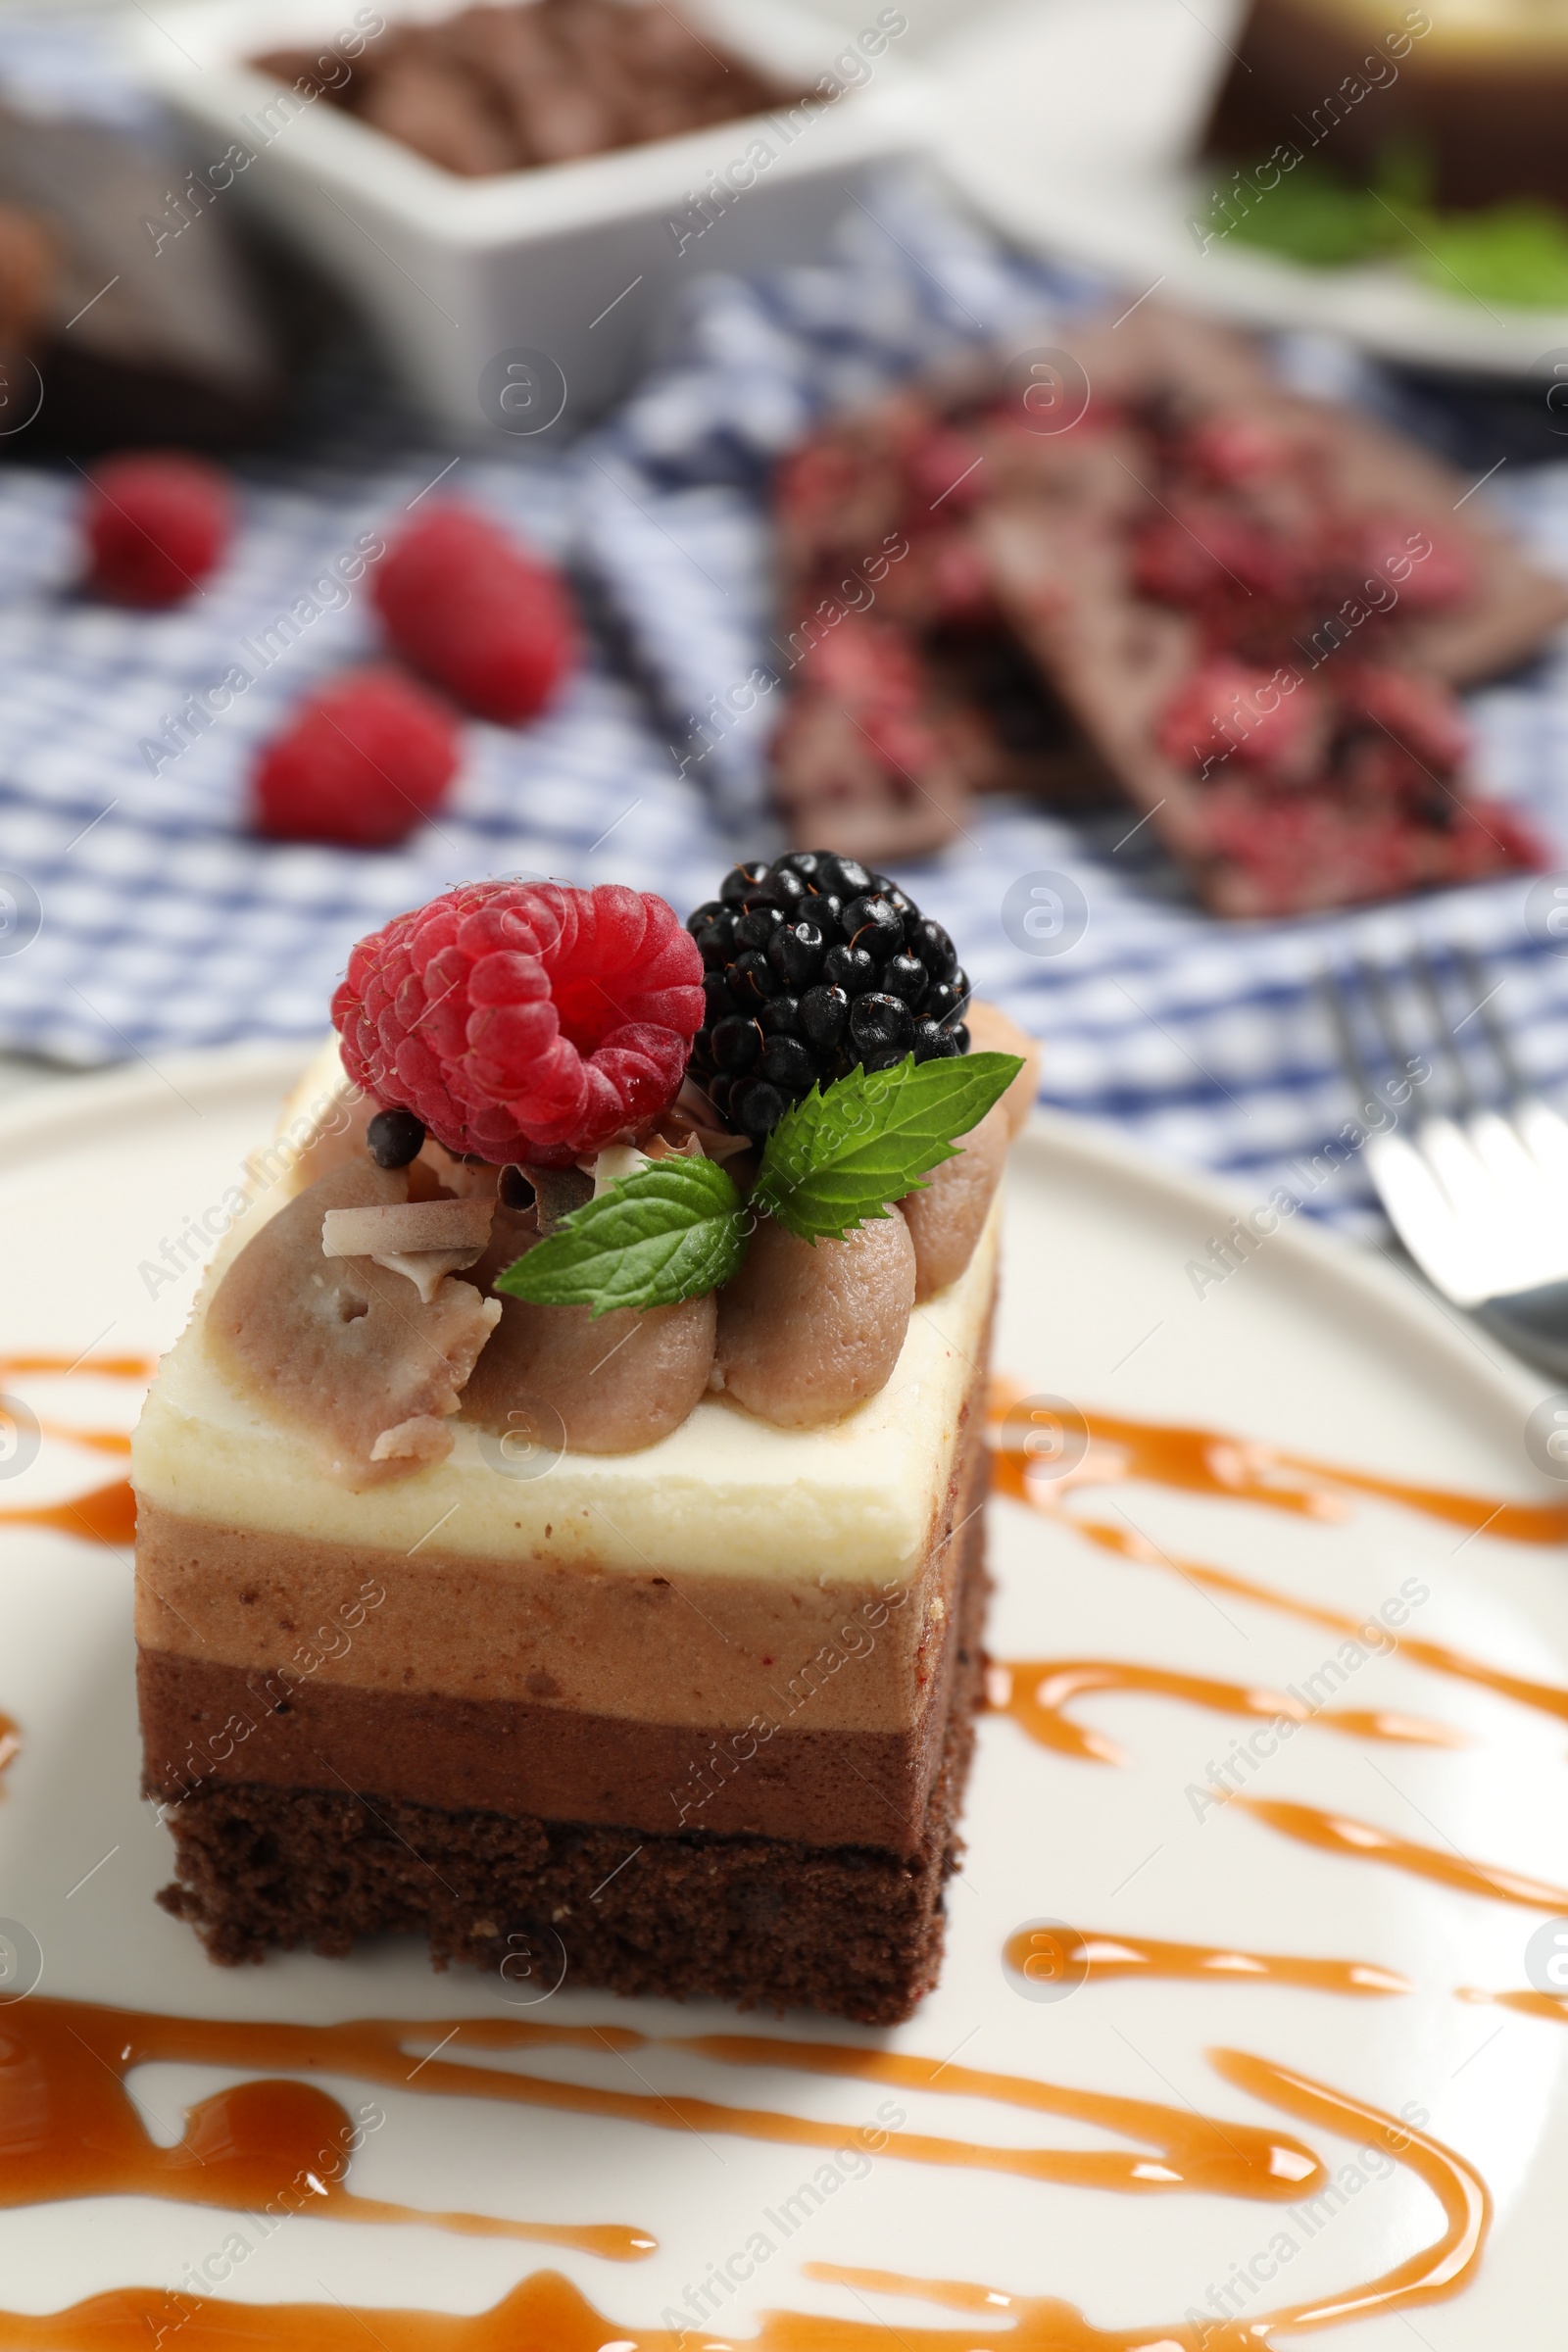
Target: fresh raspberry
<point>525,1021</point>
<point>155,528</point>
<point>463,603</point>
<point>363,762</point>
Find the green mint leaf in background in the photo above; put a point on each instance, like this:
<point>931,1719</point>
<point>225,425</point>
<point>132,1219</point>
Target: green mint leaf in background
<point>842,1156</point>
<point>673,1230</point>
<point>1310,215</point>
<point>1513,253</point>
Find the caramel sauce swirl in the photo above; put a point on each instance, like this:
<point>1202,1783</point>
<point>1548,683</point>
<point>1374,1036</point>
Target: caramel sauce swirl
<point>1036,1692</point>
<point>63,2064</point>
<point>1208,1462</point>
<point>1104,1958</point>
<point>546,2313</point>
<point>1010,1477</point>
<point>1363,1841</point>
<point>134,1368</point>
<point>1550,2005</point>
<point>107,1514</point>
<point>69,2129</point>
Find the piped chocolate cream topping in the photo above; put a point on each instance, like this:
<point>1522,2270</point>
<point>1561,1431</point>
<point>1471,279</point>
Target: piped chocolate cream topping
<point>808,1332</point>
<point>946,1215</point>
<point>349,1350</point>
<point>606,1384</point>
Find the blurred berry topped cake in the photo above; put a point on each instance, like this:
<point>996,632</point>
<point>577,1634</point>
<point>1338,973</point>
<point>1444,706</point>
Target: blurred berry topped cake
<point>1476,88</point>
<point>559,1527</point>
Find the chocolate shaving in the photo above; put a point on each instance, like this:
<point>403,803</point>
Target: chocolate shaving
<point>557,1193</point>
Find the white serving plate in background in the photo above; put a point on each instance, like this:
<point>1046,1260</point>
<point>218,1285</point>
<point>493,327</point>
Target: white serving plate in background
<point>575,260</point>
<point>1311,1346</point>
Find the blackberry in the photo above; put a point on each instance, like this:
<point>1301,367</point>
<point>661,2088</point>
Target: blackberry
<point>816,966</point>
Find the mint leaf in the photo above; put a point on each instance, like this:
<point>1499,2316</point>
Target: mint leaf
<point>840,1158</point>
<point>670,1231</point>
<point>1515,253</point>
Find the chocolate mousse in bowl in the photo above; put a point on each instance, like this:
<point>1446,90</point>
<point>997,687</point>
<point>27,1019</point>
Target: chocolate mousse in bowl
<point>508,88</point>
<point>560,1527</point>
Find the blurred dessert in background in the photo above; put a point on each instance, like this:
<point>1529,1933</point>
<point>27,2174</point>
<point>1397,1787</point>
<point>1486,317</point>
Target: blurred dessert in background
<point>1241,612</point>
<point>1481,85</point>
<point>507,88</point>
<point>26,269</point>
<point>133,300</point>
<point>1433,139</point>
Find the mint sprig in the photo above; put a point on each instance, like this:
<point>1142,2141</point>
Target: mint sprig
<point>842,1156</point>
<point>670,1231</point>
<point>678,1228</point>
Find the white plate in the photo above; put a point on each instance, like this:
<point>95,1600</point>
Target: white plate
<point>1306,1346</point>
<point>1074,126</point>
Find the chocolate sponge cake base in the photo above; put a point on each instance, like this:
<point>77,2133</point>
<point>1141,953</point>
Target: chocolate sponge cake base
<point>855,1932</point>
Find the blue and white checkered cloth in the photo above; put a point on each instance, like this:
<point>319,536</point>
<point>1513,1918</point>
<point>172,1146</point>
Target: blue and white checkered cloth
<point>166,924</point>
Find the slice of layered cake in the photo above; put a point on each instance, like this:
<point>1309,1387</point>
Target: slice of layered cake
<point>1474,89</point>
<point>560,1527</point>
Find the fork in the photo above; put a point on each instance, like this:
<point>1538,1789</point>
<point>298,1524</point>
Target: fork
<point>1476,1193</point>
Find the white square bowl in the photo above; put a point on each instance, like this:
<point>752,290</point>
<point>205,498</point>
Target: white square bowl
<point>577,264</point>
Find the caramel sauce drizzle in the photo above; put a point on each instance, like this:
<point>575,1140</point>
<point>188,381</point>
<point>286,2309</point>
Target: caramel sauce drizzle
<point>107,1514</point>
<point>546,2313</point>
<point>1206,1461</point>
<point>97,1441</point>
<point>1106,1957</point>
<point>137,1368</point>
<point>1009,1475</point>
<point>1335,1834</point>
<point>10,1742</point>
<point>247,2149</point>
<point>1036,1692</point>
<point>69,2129</point>
<point>1044,2324</point>
<point>1553,2005</point>
<point>66,2061</point>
